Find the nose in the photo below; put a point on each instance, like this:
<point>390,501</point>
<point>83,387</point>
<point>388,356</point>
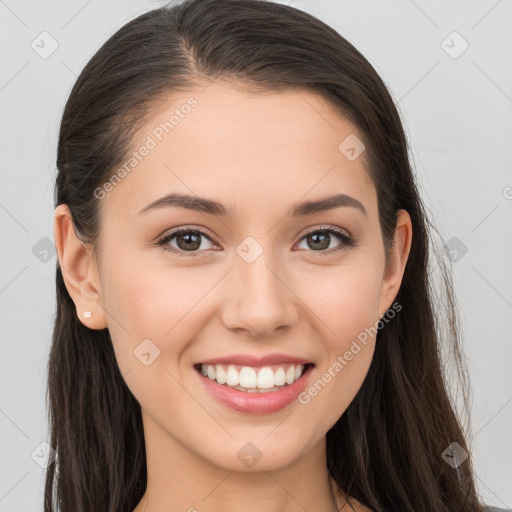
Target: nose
<point>258,299</point>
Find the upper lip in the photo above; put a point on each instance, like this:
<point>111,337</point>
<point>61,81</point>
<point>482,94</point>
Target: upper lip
<point>248,360</point>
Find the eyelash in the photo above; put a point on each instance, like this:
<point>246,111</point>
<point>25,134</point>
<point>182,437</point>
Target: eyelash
<point>347,241</point>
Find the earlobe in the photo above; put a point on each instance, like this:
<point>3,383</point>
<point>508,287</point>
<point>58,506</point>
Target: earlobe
<point>394,272</point>
<point>79,271</point>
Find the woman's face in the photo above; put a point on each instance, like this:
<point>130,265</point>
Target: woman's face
<point>256,284</point>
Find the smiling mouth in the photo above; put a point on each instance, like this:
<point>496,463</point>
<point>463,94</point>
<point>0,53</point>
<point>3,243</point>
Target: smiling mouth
<point>263,379</point>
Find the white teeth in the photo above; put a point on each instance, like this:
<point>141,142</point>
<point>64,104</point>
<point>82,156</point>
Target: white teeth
<point>250,379</point>
<point>220,374</point>
<point>279,377</point>
<point>233,377</point>
<point>265,378</point>
<point>290,375</point>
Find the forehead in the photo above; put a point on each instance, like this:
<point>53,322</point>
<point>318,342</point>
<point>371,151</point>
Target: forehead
<point>244,148</point>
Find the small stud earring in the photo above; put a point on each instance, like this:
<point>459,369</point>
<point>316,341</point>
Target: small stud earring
<point>87,314</point>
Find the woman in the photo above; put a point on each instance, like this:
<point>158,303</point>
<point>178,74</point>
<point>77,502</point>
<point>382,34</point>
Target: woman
<point>244,305</point>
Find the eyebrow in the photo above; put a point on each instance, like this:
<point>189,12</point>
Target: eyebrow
<point>212,207</point>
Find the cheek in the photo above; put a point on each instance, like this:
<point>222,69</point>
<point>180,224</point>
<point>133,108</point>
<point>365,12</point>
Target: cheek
<point>150,328</point>
<point>148,302</point>
<point>347,304</point>
<point>346,299</point>
<point>353,316</point>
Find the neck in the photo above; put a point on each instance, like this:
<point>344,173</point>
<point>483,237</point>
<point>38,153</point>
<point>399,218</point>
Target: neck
<point>181,480</point>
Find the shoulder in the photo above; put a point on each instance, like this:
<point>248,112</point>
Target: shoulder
<point>496,509</point>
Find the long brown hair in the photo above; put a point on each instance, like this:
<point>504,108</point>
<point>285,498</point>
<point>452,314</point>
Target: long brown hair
<point>386,449</point>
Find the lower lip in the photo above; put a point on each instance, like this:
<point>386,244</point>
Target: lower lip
<point>255,403</point>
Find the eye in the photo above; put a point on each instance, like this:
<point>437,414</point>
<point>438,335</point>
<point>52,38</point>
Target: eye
<point>187,239</point>
<point>321,239</point>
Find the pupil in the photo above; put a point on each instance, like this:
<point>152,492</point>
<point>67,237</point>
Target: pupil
<point>188,236</point>
<point>324,244</point>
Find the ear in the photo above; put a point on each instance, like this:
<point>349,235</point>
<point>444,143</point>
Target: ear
<point>399,254</point>
<point>79,270</point>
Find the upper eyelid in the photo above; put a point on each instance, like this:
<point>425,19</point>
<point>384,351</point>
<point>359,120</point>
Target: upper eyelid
<point>176,231</point>
<point>327,228</point>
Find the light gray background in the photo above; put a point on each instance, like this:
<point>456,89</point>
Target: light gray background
<point>457,113</point>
